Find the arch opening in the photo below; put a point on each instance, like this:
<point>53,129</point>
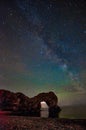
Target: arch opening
<point>44,112</point>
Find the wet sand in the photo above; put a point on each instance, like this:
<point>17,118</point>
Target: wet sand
<point>37,123</point>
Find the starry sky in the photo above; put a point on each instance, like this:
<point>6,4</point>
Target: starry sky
<point>43,48</point>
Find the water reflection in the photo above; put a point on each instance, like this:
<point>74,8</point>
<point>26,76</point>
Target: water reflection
<point>44,113</point>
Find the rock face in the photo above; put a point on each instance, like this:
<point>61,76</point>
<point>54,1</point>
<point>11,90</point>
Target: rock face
<point>20,104</point>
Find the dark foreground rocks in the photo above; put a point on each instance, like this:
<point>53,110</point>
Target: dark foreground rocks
<point>36,123</point>
<point>19,104</point>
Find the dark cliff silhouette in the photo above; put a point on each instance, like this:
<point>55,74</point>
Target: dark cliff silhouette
<point>19,104</point>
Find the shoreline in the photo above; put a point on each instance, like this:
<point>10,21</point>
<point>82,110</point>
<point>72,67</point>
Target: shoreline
<point>38,123</point>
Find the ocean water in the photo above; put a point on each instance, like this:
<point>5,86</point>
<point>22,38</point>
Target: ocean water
<point>44,113</point>
<point>70,112</point>
<point>73,112</point>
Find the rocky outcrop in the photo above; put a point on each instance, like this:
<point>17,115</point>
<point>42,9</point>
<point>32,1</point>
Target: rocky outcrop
<point>20,104</point>
<point>10,101</point>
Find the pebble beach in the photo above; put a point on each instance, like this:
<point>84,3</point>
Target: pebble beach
<point>37,123</point>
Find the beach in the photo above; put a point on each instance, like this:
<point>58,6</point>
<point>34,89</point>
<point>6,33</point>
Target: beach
<point>36,123</point>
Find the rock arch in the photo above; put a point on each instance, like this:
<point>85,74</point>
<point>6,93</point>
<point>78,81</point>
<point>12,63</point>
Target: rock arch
<point>20,104</point>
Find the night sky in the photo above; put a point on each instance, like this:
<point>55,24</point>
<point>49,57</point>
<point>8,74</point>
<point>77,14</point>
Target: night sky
<point>43,48</point>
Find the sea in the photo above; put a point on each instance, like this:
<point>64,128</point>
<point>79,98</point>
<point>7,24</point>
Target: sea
<point>73,112</point>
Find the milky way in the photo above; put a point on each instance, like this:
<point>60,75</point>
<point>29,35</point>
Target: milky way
<point>42,45</point>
